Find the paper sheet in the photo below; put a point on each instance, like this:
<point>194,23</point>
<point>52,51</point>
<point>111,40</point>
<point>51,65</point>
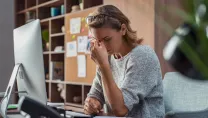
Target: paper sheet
<point>71,49</point>
<point>75,25</point>
<point>82,43</point>
<point>88,46</point>
<point>81,60</point>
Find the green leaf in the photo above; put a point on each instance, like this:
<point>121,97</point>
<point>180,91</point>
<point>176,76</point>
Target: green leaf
<point>192,55</point>
<point>45,35</point>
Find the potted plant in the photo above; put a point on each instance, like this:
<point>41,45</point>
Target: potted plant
<point>45,36</point>
<point>187,49</point>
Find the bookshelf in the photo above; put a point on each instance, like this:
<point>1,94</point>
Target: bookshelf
<point>73,86</point>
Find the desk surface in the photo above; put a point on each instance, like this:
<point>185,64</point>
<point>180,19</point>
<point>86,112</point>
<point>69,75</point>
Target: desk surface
<point>69,114</point>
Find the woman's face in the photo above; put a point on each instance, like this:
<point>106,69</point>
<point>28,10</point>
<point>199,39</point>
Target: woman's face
<point>111,38</point>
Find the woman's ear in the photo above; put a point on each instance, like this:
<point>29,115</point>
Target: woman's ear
<point>123,29</point>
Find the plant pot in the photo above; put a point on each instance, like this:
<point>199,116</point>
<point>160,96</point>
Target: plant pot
<point>47,46</point>
<point>75,8</point>
<point>63,29</point>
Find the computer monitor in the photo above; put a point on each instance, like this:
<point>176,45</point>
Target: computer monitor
<point>29,67</point>
<point>28,51</point>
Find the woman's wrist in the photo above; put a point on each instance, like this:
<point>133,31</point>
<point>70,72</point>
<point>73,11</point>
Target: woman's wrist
<point>104,65</point>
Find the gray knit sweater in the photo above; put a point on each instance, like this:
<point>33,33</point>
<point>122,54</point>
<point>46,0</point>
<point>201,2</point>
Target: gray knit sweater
<point>138,76</point>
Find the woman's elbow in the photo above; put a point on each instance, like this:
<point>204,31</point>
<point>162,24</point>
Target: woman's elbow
<point>120,112</point>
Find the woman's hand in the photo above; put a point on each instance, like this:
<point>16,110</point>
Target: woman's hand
<point>99,52</point>
<point>92,106</point>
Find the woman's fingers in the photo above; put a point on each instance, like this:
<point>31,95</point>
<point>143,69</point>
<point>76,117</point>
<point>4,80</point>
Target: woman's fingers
<point>93,58</point>
<point>96,45</point>
<point>90,109</point>
<point>92,43</point>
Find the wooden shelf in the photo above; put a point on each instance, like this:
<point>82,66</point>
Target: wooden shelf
<point>57,17</point>
<point>57,34</point>
<point>48,81</point>
<point>52,18</point>
<point>46,52</point>
<point>26,10</point>
<point>50,3</point>
<point>58,52</point>
<point>44,20</point>
<point>57,81</point>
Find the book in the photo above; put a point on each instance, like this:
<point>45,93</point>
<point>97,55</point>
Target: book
<point>57,70</point>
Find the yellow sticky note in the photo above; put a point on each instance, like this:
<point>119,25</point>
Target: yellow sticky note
<point>83,19</point>
<point>73,36</point>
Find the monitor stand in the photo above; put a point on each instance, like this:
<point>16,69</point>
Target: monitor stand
<point>5,100</point>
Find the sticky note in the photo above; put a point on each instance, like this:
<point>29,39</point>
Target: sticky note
<point>83,19</point>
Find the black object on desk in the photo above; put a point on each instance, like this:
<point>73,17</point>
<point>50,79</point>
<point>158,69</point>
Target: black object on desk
<point>36,109</point>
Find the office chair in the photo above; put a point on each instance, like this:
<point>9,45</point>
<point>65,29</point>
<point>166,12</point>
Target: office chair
<point>184,97</point>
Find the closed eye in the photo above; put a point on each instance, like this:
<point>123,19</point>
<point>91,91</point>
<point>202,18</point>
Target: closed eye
<point>108,39</point>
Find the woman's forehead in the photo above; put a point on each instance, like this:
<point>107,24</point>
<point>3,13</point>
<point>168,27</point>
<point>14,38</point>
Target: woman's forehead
<point>102,33</point>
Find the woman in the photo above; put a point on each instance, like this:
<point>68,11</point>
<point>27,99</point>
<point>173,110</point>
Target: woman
<point>128,78</point>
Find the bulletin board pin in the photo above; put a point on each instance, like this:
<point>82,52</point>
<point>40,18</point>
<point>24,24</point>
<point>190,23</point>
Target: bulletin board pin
<point>86,25</point>
<point>73,36</point>
<point>83,29</point>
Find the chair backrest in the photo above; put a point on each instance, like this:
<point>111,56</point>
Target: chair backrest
<point>184,94</point>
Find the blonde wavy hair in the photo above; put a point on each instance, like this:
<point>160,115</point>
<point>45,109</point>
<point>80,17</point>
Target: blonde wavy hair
<point>111,16</point>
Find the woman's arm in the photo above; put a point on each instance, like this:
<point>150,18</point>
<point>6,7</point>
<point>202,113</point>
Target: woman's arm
<point>96,90</point>
<point>95,98</point>
<point>112,91</point>
<point>114,95</point>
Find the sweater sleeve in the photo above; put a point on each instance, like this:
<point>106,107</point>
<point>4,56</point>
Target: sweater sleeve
<point>141,76</point>
<point>96,90</point>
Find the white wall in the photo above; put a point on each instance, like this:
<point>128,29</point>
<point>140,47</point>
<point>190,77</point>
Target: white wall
<point>6,41</point>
